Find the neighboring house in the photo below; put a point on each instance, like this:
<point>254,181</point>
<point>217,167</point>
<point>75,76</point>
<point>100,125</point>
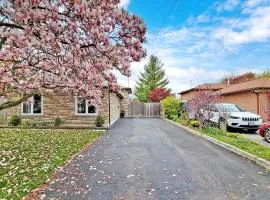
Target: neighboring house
<point>75,112</point>
<point>190,93</point>
<point>254,96</point>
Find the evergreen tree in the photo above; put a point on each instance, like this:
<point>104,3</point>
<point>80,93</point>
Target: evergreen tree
<point>153,77</point>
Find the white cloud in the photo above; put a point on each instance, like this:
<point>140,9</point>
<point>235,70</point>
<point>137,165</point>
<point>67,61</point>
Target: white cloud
<point>228,5</point>
<point>253,3</point>
<point>254,28</point>
<point>124,3</point>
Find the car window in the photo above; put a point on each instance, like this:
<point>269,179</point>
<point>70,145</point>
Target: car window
<point>229,108</point>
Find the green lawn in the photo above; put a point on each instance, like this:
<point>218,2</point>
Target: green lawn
<point>239,142</point>
<point>29,157</point>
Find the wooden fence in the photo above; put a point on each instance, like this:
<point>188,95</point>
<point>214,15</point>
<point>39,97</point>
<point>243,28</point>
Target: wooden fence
<point>144,110</point>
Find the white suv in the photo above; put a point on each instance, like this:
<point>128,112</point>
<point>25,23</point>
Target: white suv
<point>230,116</point>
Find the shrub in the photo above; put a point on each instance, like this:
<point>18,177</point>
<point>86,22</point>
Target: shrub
<point>184,119</point>
<point>171,107</point>
<point>194,123</point>
<point>14,120</point>
<point>57,122</point>
<point>26,124</point>
<point>100,121</point>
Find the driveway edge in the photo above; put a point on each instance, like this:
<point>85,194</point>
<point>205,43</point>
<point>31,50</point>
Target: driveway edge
<point>259,161</point>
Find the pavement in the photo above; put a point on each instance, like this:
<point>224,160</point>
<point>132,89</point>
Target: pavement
<point>149,159</point>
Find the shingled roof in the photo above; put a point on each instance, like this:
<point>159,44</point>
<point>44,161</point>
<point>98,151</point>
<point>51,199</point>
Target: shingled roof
<point>263,83</point>
<point>206,86</point>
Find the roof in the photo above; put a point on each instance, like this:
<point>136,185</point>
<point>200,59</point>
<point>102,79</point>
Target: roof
<point>206,86</point>
<point>263,83</point>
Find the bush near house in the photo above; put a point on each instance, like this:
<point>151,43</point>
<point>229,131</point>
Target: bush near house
<point>100,121</point>
<point>29,157</point>
<point>14,120</point>
<point>172,108</point>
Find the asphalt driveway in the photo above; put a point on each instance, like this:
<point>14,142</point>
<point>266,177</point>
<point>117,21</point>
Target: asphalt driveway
<point>152,159</point>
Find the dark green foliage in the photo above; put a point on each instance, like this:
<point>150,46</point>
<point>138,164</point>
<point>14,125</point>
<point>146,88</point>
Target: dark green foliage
<point>57,122</point>
<point>100,121</point>
<point>14,120</point>
<point>153,77</point>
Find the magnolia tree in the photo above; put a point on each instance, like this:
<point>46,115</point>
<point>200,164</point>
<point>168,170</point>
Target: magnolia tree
<point>201,105</point>
<point>158,94</point>
<point>65,46</point>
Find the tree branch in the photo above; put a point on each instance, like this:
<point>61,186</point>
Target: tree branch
<point>13,103</point>
<point>11,25</point>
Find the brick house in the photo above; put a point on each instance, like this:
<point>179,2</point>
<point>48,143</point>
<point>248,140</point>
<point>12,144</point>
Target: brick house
<point>75,113</point>
<point>254,96</point>
<point>190,93</point>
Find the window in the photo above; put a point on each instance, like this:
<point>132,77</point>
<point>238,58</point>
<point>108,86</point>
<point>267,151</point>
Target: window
<point>33,106</point>
<point>83,107</point>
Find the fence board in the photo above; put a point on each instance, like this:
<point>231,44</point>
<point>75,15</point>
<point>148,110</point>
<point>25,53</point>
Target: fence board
<point>144,110</point>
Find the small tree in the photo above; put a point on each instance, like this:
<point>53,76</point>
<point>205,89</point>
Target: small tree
<point>171,107</point>
<point>153,77</point>
<point>201,106</point>
<point>158,94</point>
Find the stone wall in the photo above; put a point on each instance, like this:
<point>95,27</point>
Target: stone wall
<point>125,101</point>
<point>115,107</point>
<point>55,106</point>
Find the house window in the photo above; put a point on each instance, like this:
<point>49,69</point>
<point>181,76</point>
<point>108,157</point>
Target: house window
<point>83,107</point>
<point>33,107</point>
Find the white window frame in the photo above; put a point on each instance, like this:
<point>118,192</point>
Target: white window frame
<point>84,114</point>
<point>32,108</point>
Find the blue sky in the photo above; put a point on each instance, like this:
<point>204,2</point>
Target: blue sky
<point>204,41</point>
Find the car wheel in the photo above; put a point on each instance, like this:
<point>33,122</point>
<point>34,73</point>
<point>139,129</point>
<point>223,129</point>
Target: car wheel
<point>223,125</point>
<point>267,135</point>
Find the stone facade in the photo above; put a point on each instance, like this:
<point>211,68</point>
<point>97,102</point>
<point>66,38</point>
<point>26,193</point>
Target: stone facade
<point>56,106</point>
<point>125,101</point>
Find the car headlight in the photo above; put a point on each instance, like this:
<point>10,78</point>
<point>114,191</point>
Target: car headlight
<point>234,117</point>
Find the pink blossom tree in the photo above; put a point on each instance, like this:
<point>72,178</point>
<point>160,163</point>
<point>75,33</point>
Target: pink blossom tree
<point>202,104</point>
<point>69,47</point>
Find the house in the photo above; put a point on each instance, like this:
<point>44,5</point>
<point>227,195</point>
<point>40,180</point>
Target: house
<point>253,95</point>
<point>190,93</point>
<point>75,112</point>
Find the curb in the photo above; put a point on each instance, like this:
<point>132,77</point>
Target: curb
<point>259,161</point>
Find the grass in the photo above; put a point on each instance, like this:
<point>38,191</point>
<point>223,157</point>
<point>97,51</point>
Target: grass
<point>239,142</point>
<point>28,158</point>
